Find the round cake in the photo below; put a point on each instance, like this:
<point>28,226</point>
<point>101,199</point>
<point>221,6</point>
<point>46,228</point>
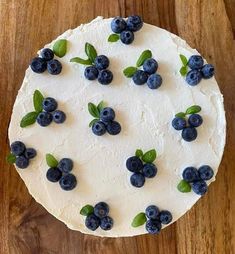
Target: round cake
<point>145,117</point>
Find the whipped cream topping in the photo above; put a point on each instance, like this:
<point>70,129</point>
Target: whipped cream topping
<point>145,116</point>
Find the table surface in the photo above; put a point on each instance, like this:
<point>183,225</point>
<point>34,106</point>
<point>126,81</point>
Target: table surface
<point>26,25</point>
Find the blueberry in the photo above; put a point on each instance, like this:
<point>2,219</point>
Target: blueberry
<point>152,212</point>
<point>118,25</point>
<point>106,223</point>
<point>22,162</point>
<point>107,114</point>
<point>206,172</point>
<point>189,134</point>
<point>149,170</point>
<point>65,165</point>
<point>200,187</point>
<point>153,226</point>
<point>92,222</point>
<point>140,77</point>
<point>91,73</point>
<point>190,174</point>
<point>134,164</point>
<point>165,217</point>
<point>195,62</point>
<point>134,23</point>
<point>127,37</point>
<point>150,66</point>
<point>53,175</point>
<point>101,210</point>
<point>99,128</point>
<point>101,62</point>
<point>137,180</point>
<point>68,182</point>
<point>179,123</point>
<point>193,77</point>
<point>195,120</point>
<point>30,153</point>
<point>18,148</point>
<point>208,71</point>
<point>154,81</point>
<point>105,77</point>
<point>59,116</point>
<point>38,65</point>
<point>49,104</point>
<point>47,54</point>
<point>44,119</point>
<point>54,67</point>
<point>113,128</point>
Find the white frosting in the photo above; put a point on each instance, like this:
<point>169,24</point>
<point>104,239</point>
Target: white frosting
<point>145,116</point>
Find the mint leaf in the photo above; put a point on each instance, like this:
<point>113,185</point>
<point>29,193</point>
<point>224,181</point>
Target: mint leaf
<point>193,109</point>
<point>180,114</point>
<point>144,55</point>
<point>149,156</point>
<point>37,101</point>
<point>113,37</point>
<point>81,61</point>
<point>93,121</point>
<point>183,70</point>
<point>90,52</point>
<point>184,186</point>
<point>129,71</point>
<point>93,110</point>
<point>11,158</point>
<point>139,220</point>
<point>139,153</point>
<point>60,47</point>
<point>184,60</point>
<point>51,161</point>
<point>100,106</point>
<point>87,210</point>
<point>28,119</point>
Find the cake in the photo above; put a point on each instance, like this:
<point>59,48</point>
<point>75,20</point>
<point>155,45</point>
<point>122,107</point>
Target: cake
<point>145,116</point>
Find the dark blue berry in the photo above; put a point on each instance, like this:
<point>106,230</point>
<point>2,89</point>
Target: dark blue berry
<point>106,223</point>
<point>152,212</point>
<point>140,77</point>
<point>107,114</point>
<point>189,134</point>
<point>205,172</point>
<point>195,120</point>
<point>59,116</point>
<point>68,182</point>
<point>195,62</point>
<point>149,170</point>
<point>18,148</point>
<point>154,81</point>
<point>153,226</point>
<point>150,66</point>
<point>101,210</point>
<point>99,128</point>
<point>137,180</point>
<point>54,67</point>
<point>92,222</point>
<point>53,175</point>
<point>30,153</point>
<point>113,128</point>
<point>165,217</point>
<point>38,65</point>
<point>179,123</point>
<point>44,119</point>
<point>47,54</point>
<point>190,174</point>
<point>101,62</point>
<point>193,77</point>
<point>65,165</point>
<point>127,37</point>
<point>105,77</point>
<point>134,23</point>
<point>22,162</point>
<point>199,187</point>
<point>134,164</point>
<point>49,104</point>
<point>118,25</point>
<point>91,73</point>
<point>208,71</point>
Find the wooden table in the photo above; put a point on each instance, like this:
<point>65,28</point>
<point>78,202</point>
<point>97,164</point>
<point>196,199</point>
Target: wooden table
<point>25,26</point>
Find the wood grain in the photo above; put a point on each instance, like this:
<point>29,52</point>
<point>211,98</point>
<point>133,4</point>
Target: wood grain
<point>25,26</point>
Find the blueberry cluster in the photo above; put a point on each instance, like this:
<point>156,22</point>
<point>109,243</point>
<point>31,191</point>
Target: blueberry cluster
<point>124,29</point>
<point>46,62</point>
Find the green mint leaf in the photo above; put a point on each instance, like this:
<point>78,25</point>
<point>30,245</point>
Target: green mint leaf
<point>100,106</point>
<point>139,220</point>
<point>113,37</point>
<point>93,110</point>
<point>37,101</point>
<point>180,114</point>
<point>144,55</point>
<point>139,153</point>
<point>87,210</point>
<point>51,161</point>
<point>193,109</point>
<point>93,121</point>
<point>183,70</point>
<point>11,158</point>
<point>28,119</point>
<point>184,60</point>
<point>129,71</point>
<point>90,52</point>
<point>60,47</point>
<point>149,156</point>
<point>81,61</point>
<point>184,186</point>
